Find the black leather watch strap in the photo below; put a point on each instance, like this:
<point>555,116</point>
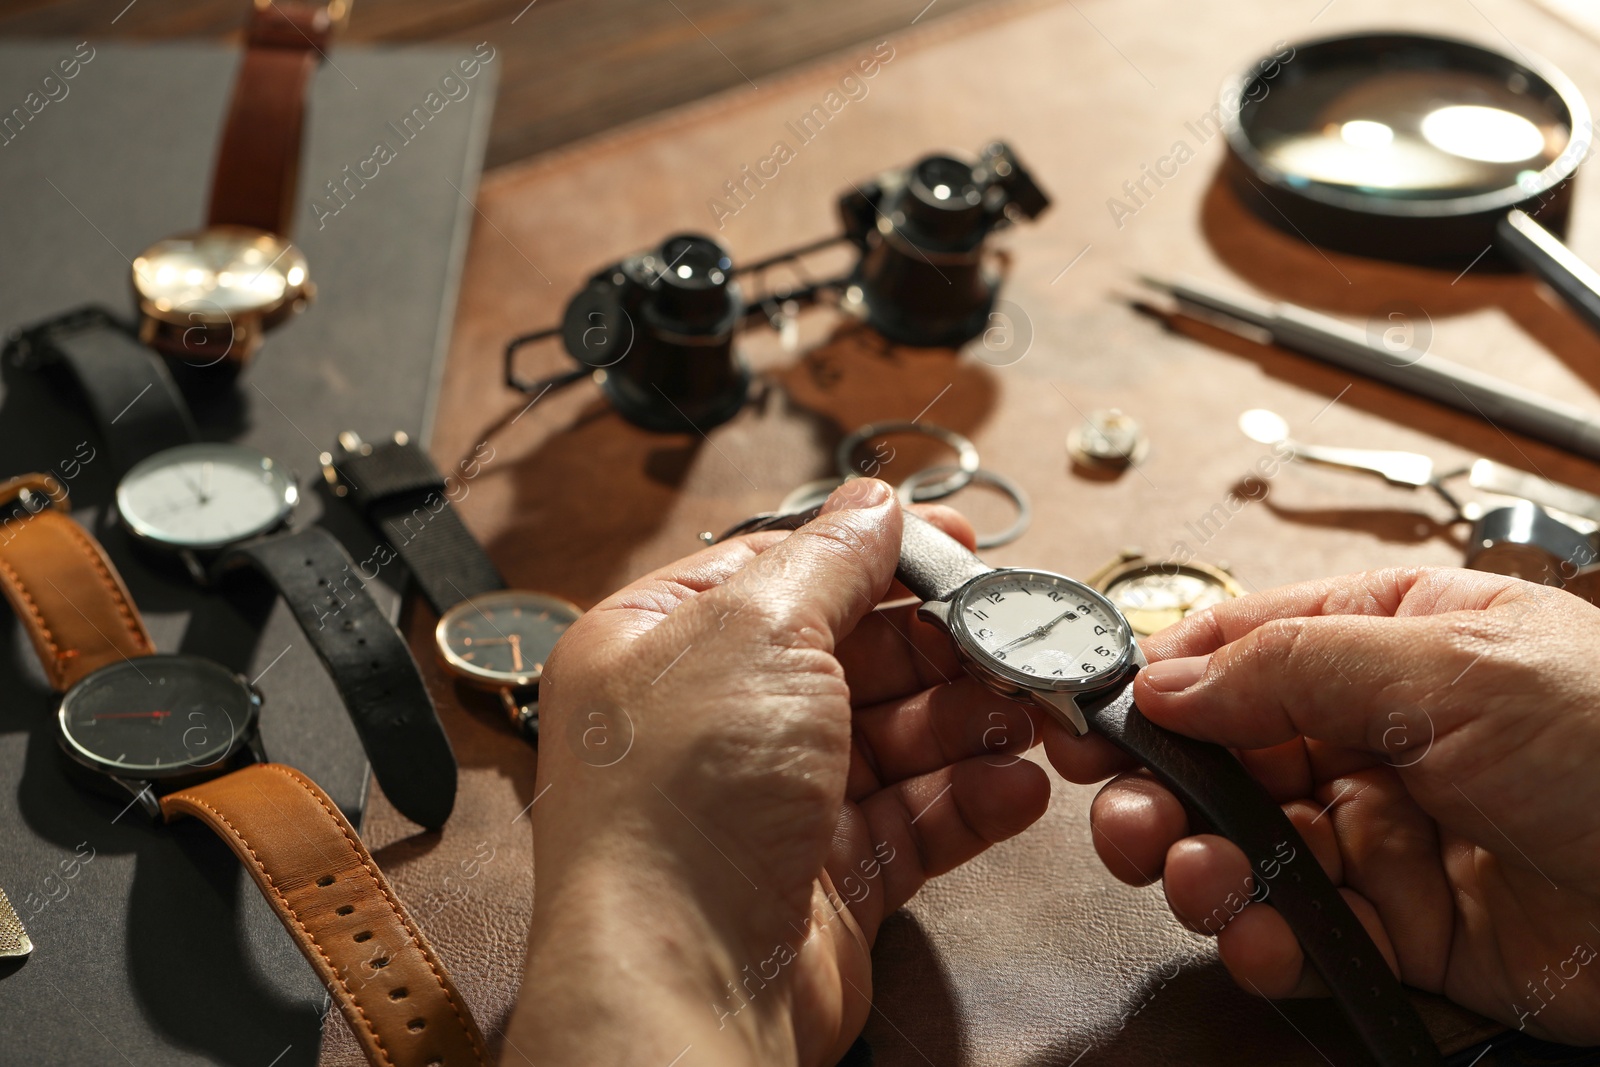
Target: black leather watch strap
<point>370,663</point>
<point>1219,793</point>
<point>129,390</point>
<point>933,565</point>
<point>400,491</point>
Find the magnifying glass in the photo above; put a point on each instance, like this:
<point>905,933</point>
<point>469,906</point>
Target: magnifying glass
<point>1419,148</point>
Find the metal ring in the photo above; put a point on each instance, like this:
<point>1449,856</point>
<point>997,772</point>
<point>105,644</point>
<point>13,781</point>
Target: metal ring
<point>908,494</point>
<point>960,475</point>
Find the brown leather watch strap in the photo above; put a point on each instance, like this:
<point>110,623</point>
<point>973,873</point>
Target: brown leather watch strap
<point>258,162</point>
<point>336,904</point>
<point>70,599</point>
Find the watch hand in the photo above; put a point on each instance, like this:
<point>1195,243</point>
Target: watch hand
<point>205,481</point>
<point>133,715</point>
<point>516,651</point>
<point>1035,633</point>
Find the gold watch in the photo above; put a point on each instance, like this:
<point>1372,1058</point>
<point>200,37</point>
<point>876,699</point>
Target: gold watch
<point>1155,593</point>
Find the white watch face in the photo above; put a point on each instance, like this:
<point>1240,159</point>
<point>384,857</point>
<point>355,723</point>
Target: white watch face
<point>205,496</point>
<point>1040,629</point>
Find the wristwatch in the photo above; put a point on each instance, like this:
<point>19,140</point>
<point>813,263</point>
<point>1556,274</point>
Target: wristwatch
<point>1153,594</point>
<point>206,298</point>
<point>490,637</point>
<point>178,732</point>
<point>1052,641</point>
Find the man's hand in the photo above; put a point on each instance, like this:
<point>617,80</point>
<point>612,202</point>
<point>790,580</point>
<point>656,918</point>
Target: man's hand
<point>1435,736</point>
<point>743,770</point>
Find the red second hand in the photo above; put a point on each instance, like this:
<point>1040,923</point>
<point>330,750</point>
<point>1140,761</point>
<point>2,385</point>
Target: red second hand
<point>134,715</point>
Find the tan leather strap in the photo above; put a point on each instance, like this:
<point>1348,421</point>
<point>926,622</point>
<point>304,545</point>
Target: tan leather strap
<point>336,904</point>
<point>258,163</point>
<point>72,602</point>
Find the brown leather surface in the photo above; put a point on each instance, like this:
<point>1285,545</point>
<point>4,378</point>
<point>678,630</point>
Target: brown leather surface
<point>71,601</point>
<point>258,160</point>
<point>336,904</point>
<point>1032,954</point>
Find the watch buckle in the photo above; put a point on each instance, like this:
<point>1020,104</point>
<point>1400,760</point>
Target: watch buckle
<point>22,488</point>
<point>351,444</point>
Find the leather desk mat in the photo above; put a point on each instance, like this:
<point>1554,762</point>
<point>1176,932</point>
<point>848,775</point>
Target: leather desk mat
<point>1032,954</point>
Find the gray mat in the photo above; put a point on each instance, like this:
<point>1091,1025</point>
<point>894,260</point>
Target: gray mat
<point>159,950</point>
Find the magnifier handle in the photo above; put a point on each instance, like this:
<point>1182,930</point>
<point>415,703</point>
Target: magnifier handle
<point>1538,250</point>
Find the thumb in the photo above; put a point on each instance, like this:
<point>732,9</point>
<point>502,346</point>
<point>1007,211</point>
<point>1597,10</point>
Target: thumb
<point>820,580</point>
<point>1356,681</point>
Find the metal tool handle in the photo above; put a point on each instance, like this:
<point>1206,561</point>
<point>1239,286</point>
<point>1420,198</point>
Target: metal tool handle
<point>1542,253</point>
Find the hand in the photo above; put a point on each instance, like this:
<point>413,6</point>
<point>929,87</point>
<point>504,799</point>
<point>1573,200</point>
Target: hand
<point>1434,735</point>
<point>743,770</point>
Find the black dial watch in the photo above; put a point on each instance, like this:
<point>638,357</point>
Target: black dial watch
<point>491,637</point>
<point>1053,641</point>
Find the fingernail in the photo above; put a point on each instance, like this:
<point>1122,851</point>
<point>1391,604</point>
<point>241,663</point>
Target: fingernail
<point>858,493</point>
<point>1176,675</point>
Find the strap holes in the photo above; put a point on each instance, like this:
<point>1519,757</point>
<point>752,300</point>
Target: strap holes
<point>344,909</point>
<point>398,994</point>
<point>325,880</point>
<point>376,664</point>
<point>416,1025</point>
<point>379,962</point>
<point>365,935</point>
<point>322,581</point>
<point>310,564</point>
<point>361,640</point>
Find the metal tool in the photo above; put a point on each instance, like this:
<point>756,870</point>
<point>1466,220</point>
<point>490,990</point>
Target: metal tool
<point>1492,399</point>
<point>14,940</point>
<point>1546,536</point>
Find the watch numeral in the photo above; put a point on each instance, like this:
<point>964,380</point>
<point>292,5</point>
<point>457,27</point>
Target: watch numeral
<point>980,614</point>
<point>1100,631</point>
<point>1028,669</point>
<point>1056,595</point>
<point>985,632</point>
<point>1089,668</point>
<point>999,655</point>
<point>1083,609</point>
<point>995,597</point>
<point>1101,650</point>
<point>1058,670</point>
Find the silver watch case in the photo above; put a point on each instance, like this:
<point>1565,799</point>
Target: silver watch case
<point>1059,698</point>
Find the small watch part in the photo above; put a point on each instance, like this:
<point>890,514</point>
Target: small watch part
<point>1154,594</point>
<point>14,940</point>
<point>1108,440</point>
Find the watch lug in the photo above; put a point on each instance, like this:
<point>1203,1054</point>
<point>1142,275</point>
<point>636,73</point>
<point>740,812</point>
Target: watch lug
<point>936,612</point>
<point>191,563</point>
<point>142,793</point>
<point>1137,658</point>
<point>1063,707</point>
